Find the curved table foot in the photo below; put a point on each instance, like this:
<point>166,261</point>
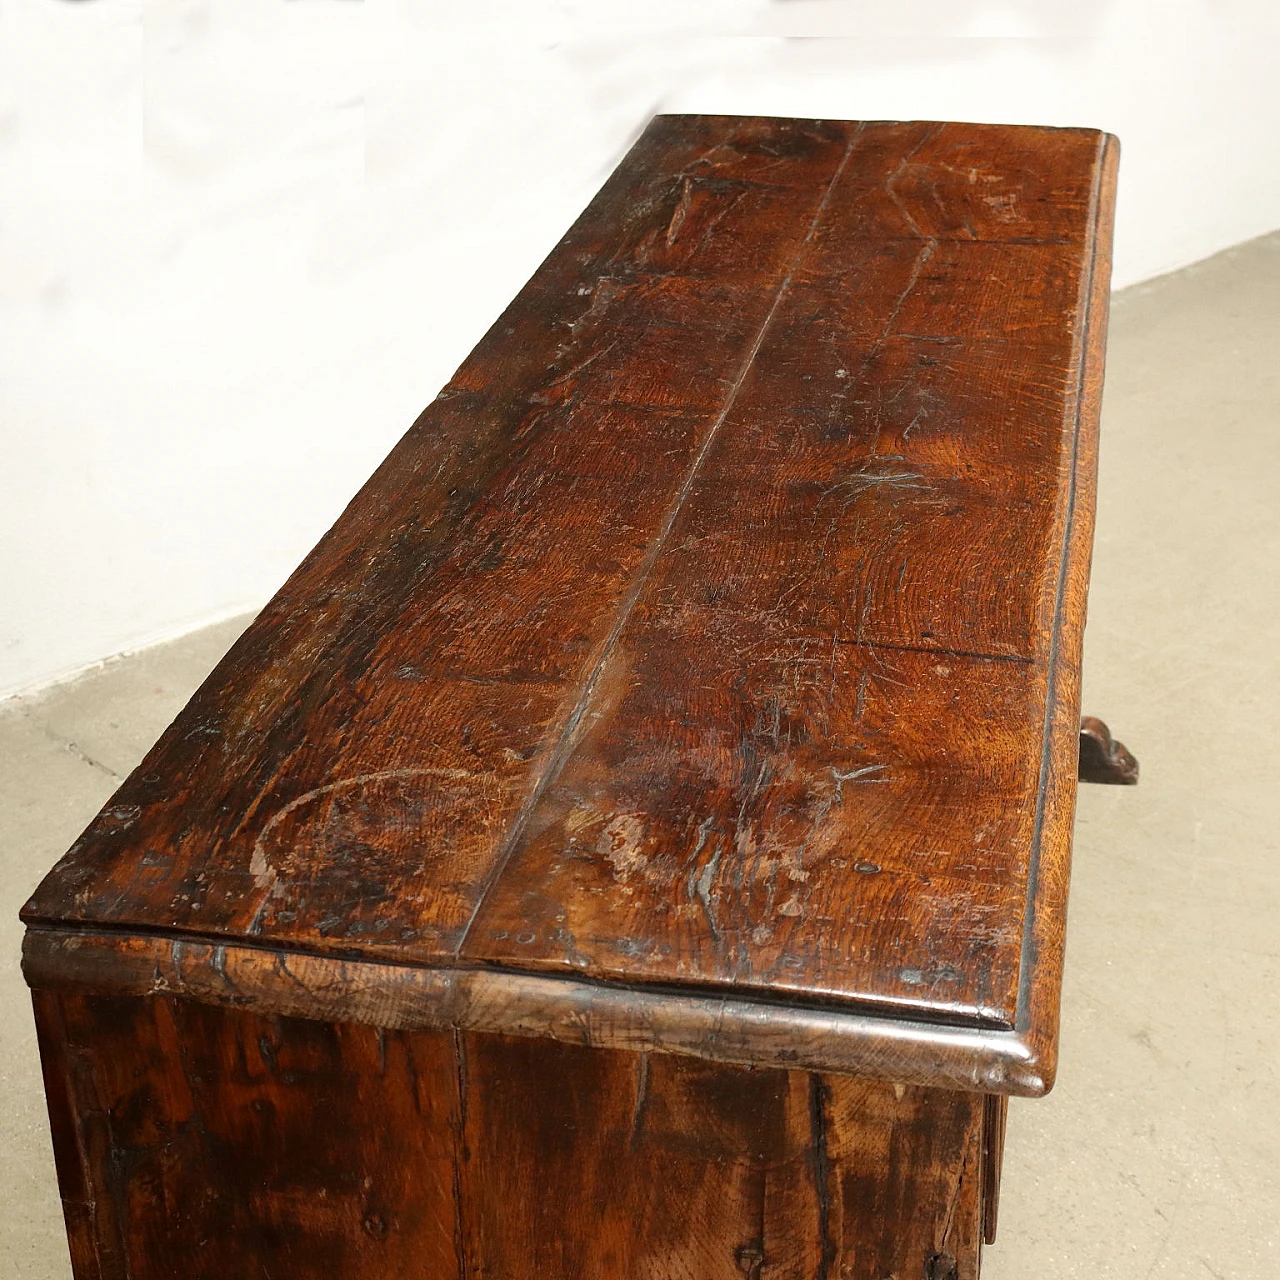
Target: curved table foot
<point>1102,758</point>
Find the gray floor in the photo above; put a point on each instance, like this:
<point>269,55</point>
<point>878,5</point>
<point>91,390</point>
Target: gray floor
<point>1159,1153</point>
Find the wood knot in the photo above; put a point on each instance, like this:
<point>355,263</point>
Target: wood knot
<point>941,1266</point>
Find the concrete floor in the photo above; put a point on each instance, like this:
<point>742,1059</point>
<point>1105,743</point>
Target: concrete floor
<point>1158,1155</point>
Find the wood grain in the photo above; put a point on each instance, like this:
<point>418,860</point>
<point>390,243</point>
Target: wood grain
<point>208,1143</point>
<point>213,1142</point>
<point>731,1029</point>
<point>717,629</point>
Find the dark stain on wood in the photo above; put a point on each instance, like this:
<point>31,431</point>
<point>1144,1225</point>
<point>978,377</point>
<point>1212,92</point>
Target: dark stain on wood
<point>1102,758</point>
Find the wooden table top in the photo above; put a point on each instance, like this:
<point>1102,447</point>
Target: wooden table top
<point>714,634</point>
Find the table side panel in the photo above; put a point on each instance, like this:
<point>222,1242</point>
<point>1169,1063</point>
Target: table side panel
<point>215,1142</point>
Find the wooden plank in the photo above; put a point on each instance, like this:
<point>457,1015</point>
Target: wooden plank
<point>775,861</point>
<point>608,1164</point>
<point>812,763</point>
<point>964,182</point>
<point>1044,926</point>
<point>217,1142</point>
<point>715,628</point>
<point>601,1163</point>
<point>867,1126</point>
<point>206,1142</point>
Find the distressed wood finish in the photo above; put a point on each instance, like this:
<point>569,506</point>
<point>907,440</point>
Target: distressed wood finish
<point>717,628</point>
<point>635,842</point>
<point>745,1031</point>
<point>211,1143</point>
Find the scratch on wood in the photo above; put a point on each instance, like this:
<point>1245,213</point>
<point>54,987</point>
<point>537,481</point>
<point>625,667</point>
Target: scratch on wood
<point>941,651</point>
<point>573,372</point>
<point>855,775</point>
<point>891,181</point>
<point>681,211</point>
<point>860,480</point>
<point>701,879</point>
<point>917,269</point>
<point>642,1099</point>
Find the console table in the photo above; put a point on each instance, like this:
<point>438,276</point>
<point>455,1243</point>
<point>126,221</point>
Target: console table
<point>635,842</point>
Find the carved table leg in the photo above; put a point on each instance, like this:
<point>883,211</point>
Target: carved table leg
<point>1102,758</point>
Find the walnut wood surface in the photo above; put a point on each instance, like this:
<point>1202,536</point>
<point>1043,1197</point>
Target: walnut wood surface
<point>717,629</point>
<point>214,1143</point>
<point>572,1010</point>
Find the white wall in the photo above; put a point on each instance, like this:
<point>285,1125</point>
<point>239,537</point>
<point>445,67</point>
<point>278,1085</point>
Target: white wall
<point>243,242</point>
